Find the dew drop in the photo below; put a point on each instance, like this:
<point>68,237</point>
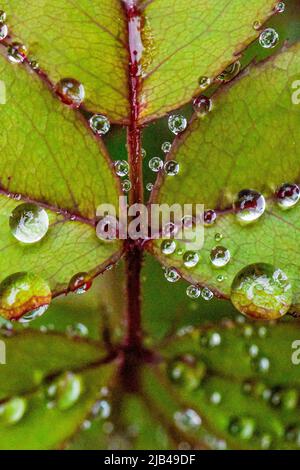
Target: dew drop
<point>268,38</point>
<point>262,292</point>
<point>249,206</point>
<point>101,409</point>
<point>190,259</point>
<point>187,420</point>
<point>70,92</point>
<point>218,237</point>
<point>2,16</point>
<point>193,292</point>
<point>66,390</point>
<point>172,275</point>
<point>171,168</point>
<point>166,147</point>
<point>187,372</point>
<point>16,53</point>
<point>77,330</point>
<point>207,294</point>
<point>280,7</point>
<point>143,153</point>
<point>34,64</point>
<point>156,164</point>
<point>121,167</point>
<point>230,72</point>
<point>177,123</point>
<point>3,31</point>
<point>210,217</point>
<point>80,283</point>
<point>257,25</point>
<point>265,441</point>
<point>168,247</point>
<point>126,186</point>
<point>204,82</point>
<point>287,195</point>
<point>242,427</point>
<point>29,223</point>
<point>220,256</point>
<point>13,410</point>
<point>202,105</point>
<point>23,297</point>
<point>99,124</point>
<point>149,186</point>
<point>211,339</point>
<point>215,398</point>
<point>261,364</point>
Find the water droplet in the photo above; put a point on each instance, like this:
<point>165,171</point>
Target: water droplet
<point>202,105</point>
<point>70,92</point>
<point>77,330</point>
<point>156,164</point>
<point>265,441</point>
<point>218,237</point>
<point>177,123</point>
<point>66,390</point>
<point>210,217</point>
<point>269,38</point>
<point>187,372</point>
<point>166,147</point>
<point>249,206</point>
<point>212,339</point>
<point>16,53</point>
<point>220,278</point>
<point>149,186</point>
<point>172,275</point>
<point>190,259</point>
<point>187,420</point>
<point>2,16</point>
<point>290,399</point>
<point>171,168</point>
<point>23,297</point>
<point>13,410</point>
<point>204,82</point>
<point>215,398</point>
<point>126,186</point>
<point>292,434</point>
<point>3,31</point>
<point>143,153</point>
<point>220,256</point>
<point>80,283</point>
<point>261,364</point>
<point>34,64</point>
<point>280,7</point>
<point>253,350</point>
<point>287,195</point>
<point>101,409</point>
<point>261,291</point>
<point>207,294</point>
<point>242,427</point>
<point>29,223</point>
<point>257,25</point>
<point>230,72</point>
<point>168,247</point>
<point>99,124</point>
<point>193,292</point>
<point>121,167</point>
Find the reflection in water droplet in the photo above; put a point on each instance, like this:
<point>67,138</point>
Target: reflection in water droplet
<point>80,283</point>
<point>70,92</point>
<point>168,247</point>
<point>66,390</point>
<point>249,206</point>
<point>287,195</point>
<point>177,123</point>
<point>193,292</point>
<point>171,168</point>
<point>3,31</point>
<point>187,420</point>
<point>13,410</point>
<point>220,256</point>
<point>172,275</point>
<point>23,297</point>
<point>121,167</point>
<point>29,223</point>
<point>269,38</point>
<point>261,291</point>
<point>155,164</point>
<point>99,124</point>
<point>16,53</point>
<point>190,259</point>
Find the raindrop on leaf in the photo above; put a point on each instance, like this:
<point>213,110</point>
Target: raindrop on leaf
<point>268,38</point>
<point>80,283</point>
<point>249,206</point>
<point>177,123</point>
<point>287,195</point>
<point>99,124</point>
<point>70,92</point>
<point>220,256</point>
<point>29,223</point>
<point>171,168</point>
<point>16,53</point>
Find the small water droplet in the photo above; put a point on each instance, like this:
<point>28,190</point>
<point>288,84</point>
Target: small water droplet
<point>215,398</point>
<point>211,339</point>
<point>249,206</point>
<point>168,247</point>
<point>70,92</point>
<point>2,16</point>
<point>13,410</point>
<point>66,390</point>
<point>220,256</point>
<point>187,420</point>
<point>149,186</point>
<point>257,25</point>
<point>29,223</point>
<point>204,82</point>
<point>269,38</point>
<point>202,105</point>
<point>126,186</point>
<point>193,292</point>
<point>171,168</point>
<point>220,278</point>
<point>156,164</point>
<point>190,259</point>
<point>34,64</point>
<point>143,153</point>
<point>3,31</point>
<point>187,372</point>
<point>280,7</point>
<point>16,53</point>
<point>172,275</point>
<point>265,441</point>
<point>253,350</point>
<point>230,72</point>
<point>242,427</point>
<point>101,409</point>
<point>287,195</point>
<point>166,147</point>
<point>177,123</point>
<point>218,237</point>
<point>24,297</point>
<point>261,291</point>
<point>207,294</point>
<point>210,217</point>
<point>261,364</point>
<point>99,124</point>
<point>78,330</point>
<point>80,283</point>
<point>121,167</point>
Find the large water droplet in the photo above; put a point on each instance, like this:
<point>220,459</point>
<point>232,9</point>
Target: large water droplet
<point>220,256</point>
<point>202,105</point>
<point>177,123</point>
<point>13,410</point>
<point>168,247</point>
<point>99,124</point>
<point>261,291</point>
<point>121,167</point>
<point>29,223</point>
<point>156,164</point>
<point>172,275</point>
<point>66,390</point>
<point>16,53</point>
<point>171,168</point>
<point>269,38</point>
<point>3,31</point>
<point>80,283</point>
<point>23,297</point>
<point>249,206</point>
<point>70,92</point>
<point>287,195</point>
<point>190,259</point>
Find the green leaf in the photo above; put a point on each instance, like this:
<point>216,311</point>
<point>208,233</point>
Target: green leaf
<point>248,141</point>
